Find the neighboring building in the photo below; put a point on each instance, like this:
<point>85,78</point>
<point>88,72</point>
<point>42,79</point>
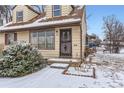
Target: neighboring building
<point>93,40</point>
<point>90,41</point>
<point>59,31</point>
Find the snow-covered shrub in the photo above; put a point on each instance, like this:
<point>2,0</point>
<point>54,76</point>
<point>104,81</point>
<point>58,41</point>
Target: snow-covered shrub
<point>20,59</point>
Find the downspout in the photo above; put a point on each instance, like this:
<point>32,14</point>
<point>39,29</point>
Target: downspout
<point>81,42</point>
<point>81,31</point>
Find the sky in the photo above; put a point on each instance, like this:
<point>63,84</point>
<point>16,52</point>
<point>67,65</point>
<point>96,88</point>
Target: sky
<point>95,14</point>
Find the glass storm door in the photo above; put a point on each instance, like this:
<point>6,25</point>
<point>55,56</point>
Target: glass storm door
<point>65,43</point>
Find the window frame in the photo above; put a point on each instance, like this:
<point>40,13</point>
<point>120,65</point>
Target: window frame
<point>45,36</point>
<point>19,17</point>
<point>7,38</point>
<point>54,10</point>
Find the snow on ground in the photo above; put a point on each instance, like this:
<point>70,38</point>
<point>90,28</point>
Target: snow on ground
<point>108,75</point>
<point>122,51</point>
<point>51,77</point>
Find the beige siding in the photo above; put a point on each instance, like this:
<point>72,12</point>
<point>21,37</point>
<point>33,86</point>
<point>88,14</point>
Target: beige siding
<point>55,52</point>
<point>23,36</point>
<point>65,10</point>
<point>48,10</point>
<point>27,13</point>
<point>2,38</point>
<point>75,43</point>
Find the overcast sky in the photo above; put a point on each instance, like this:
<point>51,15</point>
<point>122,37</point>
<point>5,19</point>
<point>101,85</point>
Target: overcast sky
<point>96,14</point>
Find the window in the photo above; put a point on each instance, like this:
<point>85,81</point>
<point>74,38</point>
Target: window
<point>43,40</point>
<point>1,22</point>
<point>34,39</point>
<point>56,10</point>
<point>19,16</point>
<point>10,38</point>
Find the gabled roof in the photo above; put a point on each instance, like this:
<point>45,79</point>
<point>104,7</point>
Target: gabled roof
<point>29,7</point>
<point>41,21</point>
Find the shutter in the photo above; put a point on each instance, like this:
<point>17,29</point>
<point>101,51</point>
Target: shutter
<point>6,40</point>
<point>15,36</point>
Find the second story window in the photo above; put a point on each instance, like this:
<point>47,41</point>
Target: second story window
<point>19,16</point>
<point>56,10</point>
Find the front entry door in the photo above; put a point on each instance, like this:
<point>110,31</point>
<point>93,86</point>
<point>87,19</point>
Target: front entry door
<point>65,43</point>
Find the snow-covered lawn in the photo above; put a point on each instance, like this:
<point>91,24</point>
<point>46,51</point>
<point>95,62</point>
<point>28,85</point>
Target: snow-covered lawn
<point>107,75</point>
<point>51,77</point>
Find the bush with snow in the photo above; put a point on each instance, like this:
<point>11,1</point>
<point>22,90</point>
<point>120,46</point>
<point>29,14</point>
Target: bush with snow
<point>20,59</point>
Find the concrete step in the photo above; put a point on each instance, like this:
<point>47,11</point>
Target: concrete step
<point>59,65</point>
<point>63,60</point>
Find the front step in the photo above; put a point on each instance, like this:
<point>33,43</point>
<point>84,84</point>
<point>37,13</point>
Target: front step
<point>59,65</point>
<point>63,60</point>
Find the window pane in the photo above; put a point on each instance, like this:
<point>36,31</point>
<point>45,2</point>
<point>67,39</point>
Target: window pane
<point>50,41</point>
<point>56,10</point>
<point>34,39</point>
<point>56,7</point>
<point>19,16</point>
<point>57,13</point>
<point>41,36</point>
<point>10,38</point>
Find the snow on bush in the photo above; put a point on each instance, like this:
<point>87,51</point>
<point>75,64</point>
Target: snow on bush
<point>20,59</point>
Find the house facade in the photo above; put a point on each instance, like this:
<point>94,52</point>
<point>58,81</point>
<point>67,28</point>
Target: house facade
<point>59,31</point>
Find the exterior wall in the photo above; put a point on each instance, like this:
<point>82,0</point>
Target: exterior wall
<point>27,13</point>
<point>65,10</point>
<point>52,53</point>
<point>75,43</point>
<point>23,36</point>
<point>2,39</point>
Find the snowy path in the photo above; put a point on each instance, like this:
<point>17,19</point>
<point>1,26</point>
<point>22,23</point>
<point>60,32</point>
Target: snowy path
<point>50,77</point>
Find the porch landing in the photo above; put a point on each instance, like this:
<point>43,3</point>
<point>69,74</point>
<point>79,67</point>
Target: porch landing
<point>70,61</point>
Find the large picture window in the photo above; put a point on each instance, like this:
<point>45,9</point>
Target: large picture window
<point>43,40</point>
<point>56,10</point>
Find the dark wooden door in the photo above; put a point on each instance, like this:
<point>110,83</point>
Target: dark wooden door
<point>65,43</point>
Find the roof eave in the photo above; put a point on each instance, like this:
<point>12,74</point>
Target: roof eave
<point>45,26</point>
